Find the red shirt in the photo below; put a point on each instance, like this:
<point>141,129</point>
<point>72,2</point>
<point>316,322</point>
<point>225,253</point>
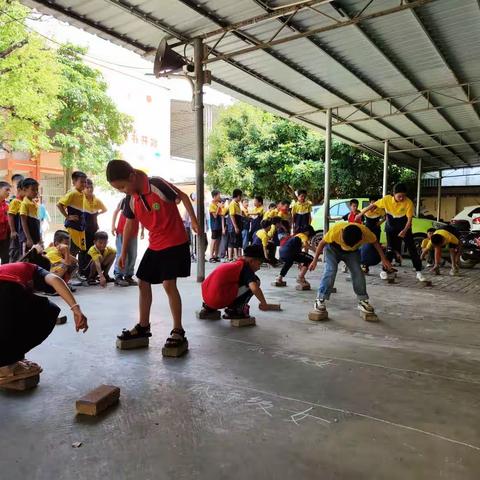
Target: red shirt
<point>22,273</point>
<point>352,218</point>
<point>4,228</point>
<point>122,220</point>
<point>156,209</point>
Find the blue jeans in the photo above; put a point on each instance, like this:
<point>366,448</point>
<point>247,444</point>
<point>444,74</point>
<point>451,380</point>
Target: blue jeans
<point>130,260</point>
<point>332,255</point>
<point>245,239</point>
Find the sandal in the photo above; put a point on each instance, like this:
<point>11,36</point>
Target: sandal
<point>136,332</point>
<point>233,314</point>
<point>303,282</point>
<point>20,370</point>
<point>176,339</point>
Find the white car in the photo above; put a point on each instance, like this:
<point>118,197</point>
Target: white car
<point>471,215</point>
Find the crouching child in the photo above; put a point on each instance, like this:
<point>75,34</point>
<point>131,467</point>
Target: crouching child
<point>232,285</point>
<point>62,262</point>
<point>342,243</point>
<point>102,257</point>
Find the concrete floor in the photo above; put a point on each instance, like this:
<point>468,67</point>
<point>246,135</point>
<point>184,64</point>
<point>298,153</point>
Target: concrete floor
<point>287,399</point>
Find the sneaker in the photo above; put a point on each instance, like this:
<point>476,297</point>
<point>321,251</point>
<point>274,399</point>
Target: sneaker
<point>131,281</point>
<point>319,305</point>
<point>429,265</point>
<point>383,275</point>
<point>420,277</point>
<point>76,282</point>
<point>364,306</point>
<point>454,272</point>
<point>345,269</point>
<point>121,282</point>
<point>365,269</point>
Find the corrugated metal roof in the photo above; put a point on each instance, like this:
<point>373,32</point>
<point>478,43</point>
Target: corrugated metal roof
<point>391,57</point>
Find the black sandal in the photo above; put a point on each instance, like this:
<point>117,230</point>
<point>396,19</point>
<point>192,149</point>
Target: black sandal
<point>136,332</point>
<point>173,342</point>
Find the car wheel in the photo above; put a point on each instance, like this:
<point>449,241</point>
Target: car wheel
<point>466,263</point>
<point>316,239</point>
<point>417,238</point>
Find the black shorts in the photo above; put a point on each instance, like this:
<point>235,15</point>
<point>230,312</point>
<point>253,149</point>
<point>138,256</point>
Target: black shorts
<point>216,234</point>
<point>168,264</point>
<point>234,240</point>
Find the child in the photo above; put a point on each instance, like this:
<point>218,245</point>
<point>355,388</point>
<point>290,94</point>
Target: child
<point>28,319</point>
<point>102,257</point>
<point>284,213</point>
<point>399,214</point>
<point>16,179</point>
<point>232,285</point>
<point>223,247</point>
<point>428,252</point>
<point>438,240</point>
<point>245,223</point>
<point>4,223</point>
<point>153,201</point>
<point>271,212</point>
<point>375,217</point>
<point>62,263</point>
<point>234,225</point>
<point>294,251</point>
<point>256,214</point>
<point>301,211</point>
<point>264,238</point>
<point>71,206</point>
<point>352,215</point>
<point>215,211</point>
<point>124,276</point>
<point>15,223</point>
<point>29,215</point>
<point>342,242</point>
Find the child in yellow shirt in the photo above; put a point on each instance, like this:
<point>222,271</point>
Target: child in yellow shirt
<point>62,263</point>
<point>102,258</point>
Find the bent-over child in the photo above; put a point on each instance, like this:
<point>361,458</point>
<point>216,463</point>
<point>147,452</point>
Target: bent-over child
<point>101,260</point>
<point>444,237</point>
<point>62,262</point>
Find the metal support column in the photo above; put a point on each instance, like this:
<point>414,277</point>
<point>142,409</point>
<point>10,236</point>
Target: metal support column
<point>419,187</point>
<point>385,168</point>
<point>439,194</point>
<point>326,188</point>
<point>200,154</point>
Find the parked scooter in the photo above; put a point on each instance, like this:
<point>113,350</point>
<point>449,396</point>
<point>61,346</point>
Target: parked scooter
<point>470,242</point>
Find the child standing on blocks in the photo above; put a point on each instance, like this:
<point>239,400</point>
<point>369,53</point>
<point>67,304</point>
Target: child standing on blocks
<point>301,211</point>
<point>342,243</point>
<point>153,202</point>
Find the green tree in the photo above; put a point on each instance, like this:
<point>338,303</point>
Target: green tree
<point>272,156</point>
<point>29,82</point>
<point>89,125</point>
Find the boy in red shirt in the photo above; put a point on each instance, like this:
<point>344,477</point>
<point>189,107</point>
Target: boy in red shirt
<point>232,285</point>
<point>4,227</point>
<point>354,211</point>
<point>153,202</point>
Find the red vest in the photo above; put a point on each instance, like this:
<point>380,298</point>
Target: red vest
<point>21,273</point>
<point>220,288</point>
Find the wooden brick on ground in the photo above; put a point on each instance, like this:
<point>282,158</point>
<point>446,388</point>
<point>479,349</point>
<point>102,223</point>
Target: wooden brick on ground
<point>23,384</point>
<point>242,322</point>
<point>133,343</point>
<point>98,400</point>
<point>315,316</point>
<point>175,351</point>
<point>369,317</point>
<point>302,288</point>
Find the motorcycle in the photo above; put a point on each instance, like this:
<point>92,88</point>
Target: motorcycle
<point>470,243</point>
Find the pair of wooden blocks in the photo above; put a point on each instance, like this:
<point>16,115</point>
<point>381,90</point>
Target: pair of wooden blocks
<point>234,322</point>
<point>316,316</point>
<point>143,342</point>
<point>282,283</point>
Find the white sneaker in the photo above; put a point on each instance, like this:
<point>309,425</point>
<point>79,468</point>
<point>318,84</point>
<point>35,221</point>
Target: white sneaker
<point>320,306</point>
<point>383,275</point>
<point>420,277</point>
<point>454,272</point>
<point>364,306</point>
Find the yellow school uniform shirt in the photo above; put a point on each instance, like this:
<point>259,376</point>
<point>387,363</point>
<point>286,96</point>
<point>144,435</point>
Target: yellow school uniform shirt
<point>97,255</point>
<point>74,202</point>
<point>215,208</point>
<point>93,206</point>
<point>234,209</point>
<point>334,235</point>
<point>55,257</point>
<point>304,239</point>
<point>449,238</point>
<point>28,208</point>
<point>425,243</point>
<point>263,236</point>
<point>14,206</point>
<point>270,214</point>
<point>375,213</point>
<point>394,208</point>
<point>302,208</point>
<point>284,215</point>
<point>259,211</point>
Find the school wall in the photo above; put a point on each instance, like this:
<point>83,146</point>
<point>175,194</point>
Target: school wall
<point>450,205</point>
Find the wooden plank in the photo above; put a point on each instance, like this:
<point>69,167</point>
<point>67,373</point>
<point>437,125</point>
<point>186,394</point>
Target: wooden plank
<point>98,400</point>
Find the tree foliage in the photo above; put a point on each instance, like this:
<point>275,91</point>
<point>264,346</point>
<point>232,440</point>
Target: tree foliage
<point>30,80</point>
<point>51,99</point>
<point>89,125</point>
<point>272,156</point>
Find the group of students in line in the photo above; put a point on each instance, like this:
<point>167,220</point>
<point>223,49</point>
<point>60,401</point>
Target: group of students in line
<point>153,203</point>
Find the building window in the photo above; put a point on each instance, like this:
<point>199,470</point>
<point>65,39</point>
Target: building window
<point>144,140</point>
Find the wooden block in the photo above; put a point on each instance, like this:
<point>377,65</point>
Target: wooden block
<point>279,284</point>
<point>202,315</point>
<point>98,400</point>
<point>62,320</point>
<point>274,307</point>
<point>315,316</point>
<point>302,288</point>
<point>369,317</point>
<point>334,290</point>
<point>140,342</point>
<point>23,384</point>
<point>427,283</point>
<point>390,279</point>
<point>175,351</point>
<point>242,322</point>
